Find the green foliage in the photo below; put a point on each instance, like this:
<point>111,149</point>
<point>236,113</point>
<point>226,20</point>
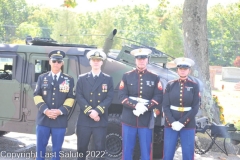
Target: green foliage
<point>223,33</point>
<point>160,27</point>
<point>25,29</point>
<point>12,13</point>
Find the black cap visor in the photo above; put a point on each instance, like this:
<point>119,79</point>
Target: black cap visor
<point>183,66</point>
<point>141,57</point>
<point>58,58</point>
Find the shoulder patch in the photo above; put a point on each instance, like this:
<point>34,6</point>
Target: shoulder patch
<point>160,85</point>
<point>121,85</point>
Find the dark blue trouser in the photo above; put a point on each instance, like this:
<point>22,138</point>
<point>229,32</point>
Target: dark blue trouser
<point>43,133</point>
<point>129,139</point>
<point>84,134</point>
<point>187,139</point>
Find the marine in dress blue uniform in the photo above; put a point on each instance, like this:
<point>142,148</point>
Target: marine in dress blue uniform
<point>94,95</point>
<point>181,102</point>
<point>140,92</point>
<point>54,98</point>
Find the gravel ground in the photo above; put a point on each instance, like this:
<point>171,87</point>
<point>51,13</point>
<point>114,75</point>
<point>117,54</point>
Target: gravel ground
<point>13,144</point>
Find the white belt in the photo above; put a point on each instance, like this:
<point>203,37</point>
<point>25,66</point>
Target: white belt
<point>140,100</point>
<point>180,109</point>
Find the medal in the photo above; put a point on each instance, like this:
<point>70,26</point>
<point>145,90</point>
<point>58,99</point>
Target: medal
<point>104,87</point>
<point>64,86</point>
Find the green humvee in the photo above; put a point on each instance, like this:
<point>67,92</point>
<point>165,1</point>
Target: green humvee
<point>20,66</point>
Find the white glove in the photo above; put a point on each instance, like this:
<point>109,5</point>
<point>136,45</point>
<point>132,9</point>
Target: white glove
<point>177,126</point>
<point>141,108</point>
<point>136,113</point>
<point>174,125</point>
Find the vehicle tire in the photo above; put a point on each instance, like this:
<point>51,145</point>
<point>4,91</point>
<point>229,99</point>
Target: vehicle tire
<point>114,138</point>
<point>3,133</point>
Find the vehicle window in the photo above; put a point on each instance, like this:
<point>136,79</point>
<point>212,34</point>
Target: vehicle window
<point>6,68</point>
<point>41,66</point>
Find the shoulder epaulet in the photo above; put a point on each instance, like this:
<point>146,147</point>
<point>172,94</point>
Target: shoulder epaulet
<point>130,71</point>
<point>67,75</point>
<point>44,74</point>
<point>152,73</point>
<point>84,74</point>
<point>191,81</point>
<point>106,75</point>
<point>171,81</point>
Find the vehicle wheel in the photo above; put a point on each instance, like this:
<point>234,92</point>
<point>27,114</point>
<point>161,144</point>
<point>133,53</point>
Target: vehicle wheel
<point>114,138</point>
<point>3,133</point>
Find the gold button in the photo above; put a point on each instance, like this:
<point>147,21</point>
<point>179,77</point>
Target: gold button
<point>180,94</point>
<point>53,93</point>
<point>90,100</point>
<point>181,84</point>
<point>52,98</point>
<point>180,99</point>
<point>181,87</point>
<point>52,103</point>
<point>180,104</point>
<point>91,93</point>
<point>140,87</point>
<point>98,101</point>
<point>54,88</point>
<point>141,83</point>
<point>181,91</point>
<point>140,75</point>
<point>99,94</point>
<point>140,96</point>
<point>140,91</point>
<point>141,79</point>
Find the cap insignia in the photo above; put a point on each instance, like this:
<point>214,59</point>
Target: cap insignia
<point>97,54</point>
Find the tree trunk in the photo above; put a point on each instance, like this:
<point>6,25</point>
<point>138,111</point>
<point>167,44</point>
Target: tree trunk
<point>196,48</point>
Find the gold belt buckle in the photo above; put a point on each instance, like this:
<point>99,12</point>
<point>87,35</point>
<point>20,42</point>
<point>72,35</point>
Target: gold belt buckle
<point>181,109</point>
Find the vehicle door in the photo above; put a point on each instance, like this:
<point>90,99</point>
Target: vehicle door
<point>11,86</point>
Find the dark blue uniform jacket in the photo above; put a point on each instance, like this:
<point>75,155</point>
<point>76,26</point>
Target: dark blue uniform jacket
<point>97,95</point>
<point>50,96</point>
<point>181,94</point>
<point>144,85</point>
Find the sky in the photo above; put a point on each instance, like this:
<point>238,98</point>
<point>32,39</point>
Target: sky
<point>85,5</point>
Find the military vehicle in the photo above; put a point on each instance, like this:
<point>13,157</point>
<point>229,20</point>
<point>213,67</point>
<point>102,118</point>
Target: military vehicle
<point>20,66</point>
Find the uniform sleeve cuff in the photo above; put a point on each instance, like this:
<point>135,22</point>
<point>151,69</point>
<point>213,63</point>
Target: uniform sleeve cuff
<point>64,110</point>
<point>100,109</point>
<point>42,107</point>
<point>87,108</point>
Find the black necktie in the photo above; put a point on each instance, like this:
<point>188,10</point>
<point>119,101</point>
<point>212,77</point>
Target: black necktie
<point>55,80</point>
<point>95,78</point>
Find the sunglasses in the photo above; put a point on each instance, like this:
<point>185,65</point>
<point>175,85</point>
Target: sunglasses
<point>54,61</point>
